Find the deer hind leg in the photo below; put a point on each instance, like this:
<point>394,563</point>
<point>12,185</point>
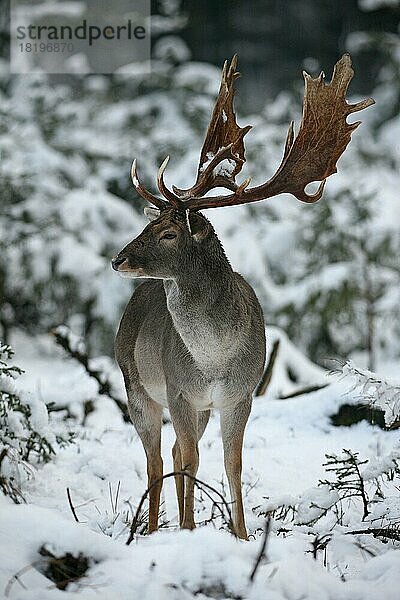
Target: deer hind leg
<point>203,418</point>
<point>146,416</point>
<point>233,423</point>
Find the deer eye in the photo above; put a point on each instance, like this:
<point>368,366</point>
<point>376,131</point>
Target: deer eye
<point>168,236</point>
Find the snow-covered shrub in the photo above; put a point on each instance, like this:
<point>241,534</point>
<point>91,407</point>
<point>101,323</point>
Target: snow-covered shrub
<point>360,496</point>
<point>65,186</point>
<point>62,225</point>
<point>375,391</point>
<point>26,438</point>
<point>347,289</point>
<point>326,274</point>
<point>330,274</point>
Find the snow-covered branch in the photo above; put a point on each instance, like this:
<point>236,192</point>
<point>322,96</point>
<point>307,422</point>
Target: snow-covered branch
<point>374,390</point>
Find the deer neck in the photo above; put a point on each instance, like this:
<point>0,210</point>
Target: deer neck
<point>206,306</point>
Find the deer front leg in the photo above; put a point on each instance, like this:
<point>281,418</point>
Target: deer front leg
<point>203,418</point>
<point>185,421</point>
<point>233,423</point>
<point>146,416</point>
<point>179,483</point>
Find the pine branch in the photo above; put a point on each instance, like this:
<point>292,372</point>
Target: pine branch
<point>348,482</point>
<point>391,533</point>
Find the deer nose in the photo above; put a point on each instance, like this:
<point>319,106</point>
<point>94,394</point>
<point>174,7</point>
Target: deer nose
<point>117,262</point>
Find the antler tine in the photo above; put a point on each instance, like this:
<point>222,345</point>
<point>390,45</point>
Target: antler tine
<point>215,173</point>
<point>289,140</point>
<point>173,199</point>
<point>223,141</point>
<point>141,190</point>
<point>312,155</point>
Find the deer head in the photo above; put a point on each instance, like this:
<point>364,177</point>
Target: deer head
<point>171,237</point>
<point>176,227</point>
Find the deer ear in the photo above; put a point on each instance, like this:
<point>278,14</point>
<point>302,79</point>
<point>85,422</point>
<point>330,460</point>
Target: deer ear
<point>199,227</point>
<point>151,213</point>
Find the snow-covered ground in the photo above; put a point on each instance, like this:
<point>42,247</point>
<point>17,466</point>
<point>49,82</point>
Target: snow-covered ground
<point>285,446</point>
<point>323,273</point>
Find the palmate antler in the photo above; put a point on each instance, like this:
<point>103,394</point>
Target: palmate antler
<point>222,154</point>
<point>310,156</point>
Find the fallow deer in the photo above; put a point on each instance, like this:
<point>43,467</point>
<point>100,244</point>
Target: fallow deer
<point>192,339</point>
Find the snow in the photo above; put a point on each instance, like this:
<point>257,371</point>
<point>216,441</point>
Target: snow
<point>64,153</point>
<point>171,47</point>
<point>314,502</point>
<point>197,75</point>
<point>378,392</point>
<point>377,4</point>
<point>225,168</point>
<point>69,207</point>
<point>284,449</point>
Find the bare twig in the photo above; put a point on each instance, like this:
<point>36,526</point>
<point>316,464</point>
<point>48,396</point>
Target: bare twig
<point>262,553</point>
<point>3,454</point>
<point>114,501</point>
<point>362,490</point>
<point>214,505</point>
<point>72,506</point>
<point>200,484</point>
<point>16,577</point>
<point>319,542</point>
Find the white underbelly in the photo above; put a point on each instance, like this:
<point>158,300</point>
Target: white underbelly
<point>218,394</point>
<point>157,392</point>
<point>213,396</point>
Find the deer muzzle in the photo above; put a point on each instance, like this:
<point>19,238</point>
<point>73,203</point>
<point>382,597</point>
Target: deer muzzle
<point>117,262</point>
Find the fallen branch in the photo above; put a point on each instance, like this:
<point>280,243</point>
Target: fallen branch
<point>62,339</point>
<point>386,532</point>
<point>306,390</point>
<point>267,375</point>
